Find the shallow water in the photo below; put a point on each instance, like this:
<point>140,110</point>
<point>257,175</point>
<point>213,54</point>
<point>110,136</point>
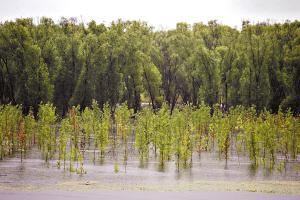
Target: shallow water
<point>34,171</point>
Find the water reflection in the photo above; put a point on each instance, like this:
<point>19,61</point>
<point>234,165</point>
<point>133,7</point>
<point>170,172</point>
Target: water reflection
<point>209,167</point>
<point>252,170</point>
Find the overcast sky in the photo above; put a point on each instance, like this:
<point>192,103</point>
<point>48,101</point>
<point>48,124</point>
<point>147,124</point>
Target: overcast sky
<point>159,13</point>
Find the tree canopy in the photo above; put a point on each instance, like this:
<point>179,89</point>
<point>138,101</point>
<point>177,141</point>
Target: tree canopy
<point>70,63</point>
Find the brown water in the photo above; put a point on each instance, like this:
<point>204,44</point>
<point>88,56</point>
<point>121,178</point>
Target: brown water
<point>34,171</point>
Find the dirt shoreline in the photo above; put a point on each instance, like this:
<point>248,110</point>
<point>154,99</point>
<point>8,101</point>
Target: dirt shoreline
<point>135,195</point>
<point>274,187</point>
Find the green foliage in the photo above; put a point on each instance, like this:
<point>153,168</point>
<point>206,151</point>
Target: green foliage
<point>105,129</point>
<point>68,64</point>
<point>263,137</point>
<point>201,121</point>
<point>30,128</point>
<point>223,135</point>
<point>88,123</point>
<point>164,137</point>
<point>46,130</point>
<point>64,133</point>
<point>253,72</point>
<point>236,120</point>
<point>94,124</point>
<point>152,83</point>
<point>14,137</point>
<point>116,168</point>
<point>144,131</point>
<point>124,128</point>
<point>183,137</point>
<point>267,136</point>
<point>26,77</point>
<point>97,124</point>
<point>71,129</point>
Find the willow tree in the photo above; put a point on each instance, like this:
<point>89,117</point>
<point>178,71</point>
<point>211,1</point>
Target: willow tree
<point>124,128</point>
<point>64,134</point>
<point>105,129</point>
<point>183,138</point>
<point>30,128</point>
<point>251,135</point>
<point>46,126</point>
<point>94,115</point>
<point>24,74</point>
<point>257,53</point>
<point>201,121</point>
<point>144,131</point>
<point>164,137</point>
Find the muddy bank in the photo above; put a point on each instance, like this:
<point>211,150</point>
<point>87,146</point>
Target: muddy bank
<point>126,195</point>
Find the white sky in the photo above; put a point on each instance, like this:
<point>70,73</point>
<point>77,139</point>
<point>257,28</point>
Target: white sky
<point>163,14</point>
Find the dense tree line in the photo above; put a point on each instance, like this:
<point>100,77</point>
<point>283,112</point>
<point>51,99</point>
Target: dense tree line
<point>70,63</point>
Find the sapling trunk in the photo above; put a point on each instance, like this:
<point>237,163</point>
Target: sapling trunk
<point>94,159</point>
<point>227,145</point>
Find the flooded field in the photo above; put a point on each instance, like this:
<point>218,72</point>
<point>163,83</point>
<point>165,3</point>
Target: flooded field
<point>151,152</point>
<point>35,172</point>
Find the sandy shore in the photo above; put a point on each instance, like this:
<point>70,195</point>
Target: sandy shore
<point>135,195</point>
